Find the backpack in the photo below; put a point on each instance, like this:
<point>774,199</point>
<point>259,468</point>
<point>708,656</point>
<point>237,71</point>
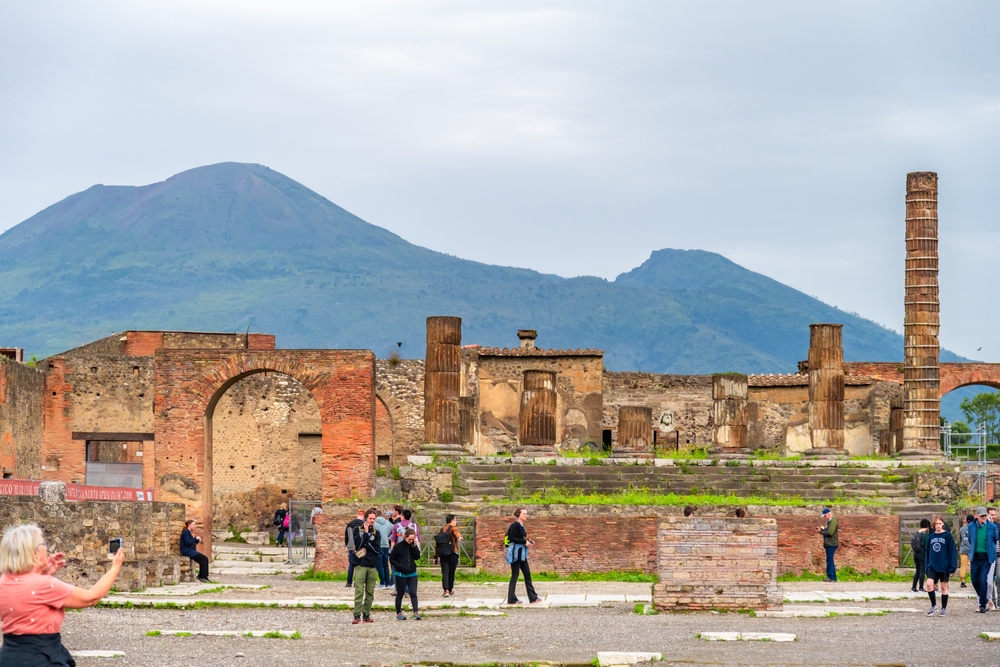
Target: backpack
<point>442,545</point>
<point>916,544</point>
<point>279,517</point>
<point>286,521</point>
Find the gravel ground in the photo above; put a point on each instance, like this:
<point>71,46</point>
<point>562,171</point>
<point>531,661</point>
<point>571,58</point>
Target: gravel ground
<point>571,636</point>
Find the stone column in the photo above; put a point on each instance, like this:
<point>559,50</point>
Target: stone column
<point>635,432</point>
<point>826,390</point>
<point>537,418</point>
<point>442,382</point>
<point>730,415</point>
<point>921,348</point>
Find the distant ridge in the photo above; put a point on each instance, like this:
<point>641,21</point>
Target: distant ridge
<point>230,246</point>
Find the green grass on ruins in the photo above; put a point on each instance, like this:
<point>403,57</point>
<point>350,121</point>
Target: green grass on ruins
<point>847,574</point>
<point>479,576</point>
<point>645,497</point>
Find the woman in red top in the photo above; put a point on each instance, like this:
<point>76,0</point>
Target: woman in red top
<point>33,602</point>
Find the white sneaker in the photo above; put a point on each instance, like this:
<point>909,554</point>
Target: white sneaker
<point>933,609</point>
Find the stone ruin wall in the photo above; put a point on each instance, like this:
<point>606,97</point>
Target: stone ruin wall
<point>20,420</point>
<point>681,403</point>
<point>399,388</point>
<point>779,413</point>
<point>578,398</point>
<point>150,532</point>
<point>266,438</point>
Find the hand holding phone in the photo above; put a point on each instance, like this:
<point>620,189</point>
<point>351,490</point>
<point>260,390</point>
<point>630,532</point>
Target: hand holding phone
<point>114,545</point>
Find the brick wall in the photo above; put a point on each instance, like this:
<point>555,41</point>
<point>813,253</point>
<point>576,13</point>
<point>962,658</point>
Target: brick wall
<point>20,420</point>
<point>331,554</point>
<point>717,563</point>
<point>150,531</point>
<point>866,543</point>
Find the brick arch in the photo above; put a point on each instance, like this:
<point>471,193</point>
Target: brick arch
<point>189,384</point>
<point>953,374</point>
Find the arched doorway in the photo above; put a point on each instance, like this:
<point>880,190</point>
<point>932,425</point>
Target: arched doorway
<point>191,382</point>
<point>266,450</point>
<point>970,419</point>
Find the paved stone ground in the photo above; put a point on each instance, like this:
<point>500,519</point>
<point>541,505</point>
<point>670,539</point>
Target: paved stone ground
<point>568,636</point>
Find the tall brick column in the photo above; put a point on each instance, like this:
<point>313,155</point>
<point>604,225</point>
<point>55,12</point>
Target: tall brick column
<point>442,386</point>
<point>826,390</point>
<point>921,348</point>
<point>730,415</point>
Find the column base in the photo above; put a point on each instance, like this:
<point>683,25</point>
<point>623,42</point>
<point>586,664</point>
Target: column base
<point>443,451</point>
<point>828,453</point>
<point>536,451</point>
<point>915,453</point>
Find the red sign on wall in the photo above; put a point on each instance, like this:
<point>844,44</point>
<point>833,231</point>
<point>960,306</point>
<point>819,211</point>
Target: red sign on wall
<point>27,487</point>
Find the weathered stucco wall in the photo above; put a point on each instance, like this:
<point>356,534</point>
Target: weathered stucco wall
<point>21,390</point>
<point>682,405</point>
<point>399,386</point>
<point>579,395</point>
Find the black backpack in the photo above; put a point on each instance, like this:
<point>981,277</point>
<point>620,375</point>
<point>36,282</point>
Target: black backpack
<point>442,545</point>
<point>916,544</point>
<point>279,517</point>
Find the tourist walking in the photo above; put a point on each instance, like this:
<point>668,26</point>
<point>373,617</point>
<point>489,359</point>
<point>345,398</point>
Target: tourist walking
<point>33,603</point>
<point>831,540</point>
<point>312,520</point>
<point>982,540</point>
<point>446,551</point>
<point>349,543</point>
<point>964,548</point>
<point>942,561</point>
<point>279,522</point>
<point>404,557</point>
<point>918,544</point>
<point>189,548</point>
<point>366,550</point>
<point>517,544</point>
<point>991,516</point>
<point>384,529</point>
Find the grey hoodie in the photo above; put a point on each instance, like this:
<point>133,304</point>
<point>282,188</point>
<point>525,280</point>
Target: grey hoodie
<point>384,528</point>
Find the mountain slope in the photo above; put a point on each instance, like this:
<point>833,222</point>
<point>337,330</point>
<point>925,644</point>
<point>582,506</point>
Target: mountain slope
<point>231,246</point>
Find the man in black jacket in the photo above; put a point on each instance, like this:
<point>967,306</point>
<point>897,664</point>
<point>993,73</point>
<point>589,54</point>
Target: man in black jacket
<point>367,544</point>
<point>349,543</point>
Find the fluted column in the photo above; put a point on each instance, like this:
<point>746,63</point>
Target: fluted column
<point>826,390</point>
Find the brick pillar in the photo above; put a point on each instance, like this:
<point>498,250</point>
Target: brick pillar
<point>635,432</point>
<point>730,415</point>
<point>921,348</point>
<point>826,390</point>
<point>442,387</point>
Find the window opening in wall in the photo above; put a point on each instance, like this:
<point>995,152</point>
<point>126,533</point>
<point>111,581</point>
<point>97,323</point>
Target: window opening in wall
<point>383,461</point>
<point>606,439</point>
<point>8,475</point>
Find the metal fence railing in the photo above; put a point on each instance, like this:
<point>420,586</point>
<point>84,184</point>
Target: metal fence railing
<point>301,535</point>
<point>430,524</point>
<point>970,450</point>
<point>126,475</point>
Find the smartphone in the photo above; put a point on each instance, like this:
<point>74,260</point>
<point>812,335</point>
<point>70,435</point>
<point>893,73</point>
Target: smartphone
<point>114,545</point>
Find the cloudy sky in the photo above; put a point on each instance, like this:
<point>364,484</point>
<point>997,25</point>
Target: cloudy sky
<point>571,138</point>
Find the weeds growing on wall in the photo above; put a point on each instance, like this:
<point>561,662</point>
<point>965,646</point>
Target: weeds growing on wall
<point>646,497</point>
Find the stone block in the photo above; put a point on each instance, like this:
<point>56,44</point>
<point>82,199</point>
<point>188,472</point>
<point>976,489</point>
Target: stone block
<point>261,537</point>
<point>619,658</point>
<point>52,492</point>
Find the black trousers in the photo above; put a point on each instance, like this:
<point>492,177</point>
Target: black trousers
<point>919,574</point>
<point>406,585</point>
<point>35,651</point>
<point>202,561</point>
<point>516,567</point>
<point>448,566</point>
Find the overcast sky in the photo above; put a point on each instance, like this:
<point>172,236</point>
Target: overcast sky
<point>570,138</point>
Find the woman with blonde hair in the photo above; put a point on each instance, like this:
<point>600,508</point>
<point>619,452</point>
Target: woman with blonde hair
<point>33,602</point>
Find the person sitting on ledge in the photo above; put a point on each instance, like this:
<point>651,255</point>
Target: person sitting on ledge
<point>33,603</point>
<point>189,548</point>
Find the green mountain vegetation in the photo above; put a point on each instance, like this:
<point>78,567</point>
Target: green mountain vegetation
<point>234,246</point>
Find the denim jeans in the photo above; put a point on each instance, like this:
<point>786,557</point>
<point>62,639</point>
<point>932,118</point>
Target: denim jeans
<point>383,566</point>
<point>351,564</point>
<point>980,578</point>
<point>831,568</point>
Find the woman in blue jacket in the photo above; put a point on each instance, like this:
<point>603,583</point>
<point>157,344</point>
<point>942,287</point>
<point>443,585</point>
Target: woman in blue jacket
<point>189,548</point>
<point>941,561</point>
